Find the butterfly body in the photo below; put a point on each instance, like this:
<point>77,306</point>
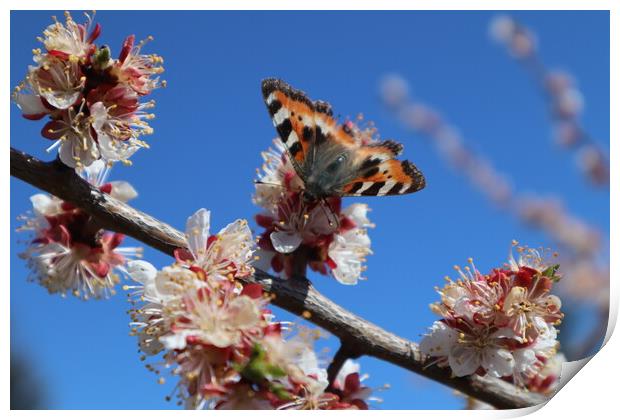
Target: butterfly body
<point>326,155</point>
<point>325,176</point>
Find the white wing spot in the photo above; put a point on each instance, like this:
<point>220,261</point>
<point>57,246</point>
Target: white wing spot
<point>280,116</point>
<point>292,139</point>
<point>365,186</point>
<point>387,187</point>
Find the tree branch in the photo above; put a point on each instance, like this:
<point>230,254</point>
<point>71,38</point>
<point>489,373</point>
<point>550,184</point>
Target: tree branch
<point>344,352</point>
<point>296,295</point>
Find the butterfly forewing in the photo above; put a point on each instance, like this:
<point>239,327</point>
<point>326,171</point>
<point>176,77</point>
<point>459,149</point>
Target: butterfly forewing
<point>292,114</point>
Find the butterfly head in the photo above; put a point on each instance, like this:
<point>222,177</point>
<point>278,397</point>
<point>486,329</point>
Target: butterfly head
<point>327,174</point>
<point>309,197</point>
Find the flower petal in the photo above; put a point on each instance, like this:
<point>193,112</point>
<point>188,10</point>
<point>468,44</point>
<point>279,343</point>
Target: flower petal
<point>197,233</point>
<point>498,362</point>
<point>113,149</point>
<point>439,341</point>
<point>347,368</point>
<point>44,205</point>
<point>243,313</point>
<point>524,360</point>
<point>123,191</point>
<point>358,213</point>
<point>30,105</point>
<point>141,271</point>
<point>176,341</point>
<point>59,99</point>
<point>71,152</point>
<point>464,361</point>
<point>285,242</point>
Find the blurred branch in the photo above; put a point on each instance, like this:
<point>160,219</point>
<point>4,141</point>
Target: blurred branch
<point>565,100</point>
<point>296,295</point>
<point>569,231</point>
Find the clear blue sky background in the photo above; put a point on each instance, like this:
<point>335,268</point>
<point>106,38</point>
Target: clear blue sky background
<point>211,126</point>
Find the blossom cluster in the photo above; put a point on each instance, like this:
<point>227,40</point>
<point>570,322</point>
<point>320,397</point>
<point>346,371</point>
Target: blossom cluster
<point>218,336</point>
<point>333,240</point>
<point>501,324</point>
<point>69,252</point>
<point>93,101</point>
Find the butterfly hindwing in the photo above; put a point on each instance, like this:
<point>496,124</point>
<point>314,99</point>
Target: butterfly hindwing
<point>380,173</point>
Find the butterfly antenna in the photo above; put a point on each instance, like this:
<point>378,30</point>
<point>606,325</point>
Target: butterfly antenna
<point>269,183</point>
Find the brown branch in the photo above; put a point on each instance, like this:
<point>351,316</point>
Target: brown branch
<point>297,296</point>
<point>344,352</point>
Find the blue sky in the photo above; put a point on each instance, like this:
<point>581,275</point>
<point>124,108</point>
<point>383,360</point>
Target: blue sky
<point>211,126</point>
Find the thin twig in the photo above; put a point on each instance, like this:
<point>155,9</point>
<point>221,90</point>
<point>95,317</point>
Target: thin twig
<point>344,353</point>
<point>295,295</point>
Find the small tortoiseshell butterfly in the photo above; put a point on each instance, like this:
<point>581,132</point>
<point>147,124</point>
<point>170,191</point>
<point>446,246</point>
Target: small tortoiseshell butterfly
<point>327,157</point>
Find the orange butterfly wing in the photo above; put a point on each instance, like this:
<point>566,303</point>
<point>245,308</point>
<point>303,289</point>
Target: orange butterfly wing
<point>303,125</point>
<point>299,121</point>
<point>380,173</point>
<point>291,113</point>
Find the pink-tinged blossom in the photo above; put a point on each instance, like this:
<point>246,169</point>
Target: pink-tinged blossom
<point>57,82</point>
<point>349,385</point>
<point>534,278</point>
<point>196,312</point>
<point>216,334</point>
<point>85,270</point>
<point>158,291</point>
<point>309,392</point>
<point>470,348</point>
<point>68,252</point>
<point>201,327</point>
<point>71,39</point>
<point>335,241</point>
<point>139,71</point>
<point>222,256</point>
<point>93,101</point>
<point>31,105</point>
<point>547,379</point>
<point>211,330</point>
<point>219,319</point>
<point>71,133</point>
<point>501,324</point>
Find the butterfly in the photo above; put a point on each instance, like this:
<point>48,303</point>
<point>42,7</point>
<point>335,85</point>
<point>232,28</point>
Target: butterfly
<point>326,155</point>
